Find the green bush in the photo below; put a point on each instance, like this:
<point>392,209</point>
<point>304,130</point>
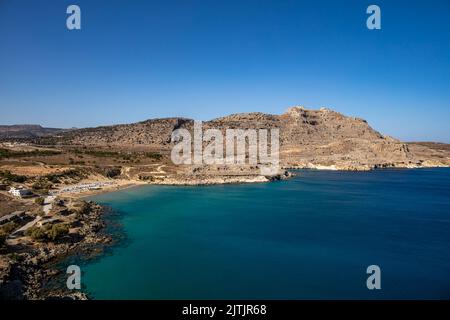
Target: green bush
<point>83,207</point>
<point>2,238</point>
<point>40,201</point>
<point>47,181</point>
<point>15,257</point>
<point>6,153</point>
<point>11,177</point>
<point>53,178</point>
<point>102,153</point>
<point>36,233</point>
<point>42,185</point>
<point>48,233</point>
<point>57,231</point>
<point>147,178</point>
<point>153,155</point>
<point>112,172</point>
<point>9,227</point>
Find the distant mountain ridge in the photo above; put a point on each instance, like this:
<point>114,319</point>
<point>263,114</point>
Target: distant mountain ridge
<point>24,131</point>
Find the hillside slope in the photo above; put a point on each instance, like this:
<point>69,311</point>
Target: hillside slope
<point>308,138</point>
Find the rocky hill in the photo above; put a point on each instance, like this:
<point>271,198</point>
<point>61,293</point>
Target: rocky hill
<point>308,139</point>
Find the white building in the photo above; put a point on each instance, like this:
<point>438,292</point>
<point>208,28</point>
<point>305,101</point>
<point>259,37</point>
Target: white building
<point>19,192</point>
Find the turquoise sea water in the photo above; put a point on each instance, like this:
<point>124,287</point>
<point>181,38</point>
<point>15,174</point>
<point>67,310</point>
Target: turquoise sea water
<point>311,237</point>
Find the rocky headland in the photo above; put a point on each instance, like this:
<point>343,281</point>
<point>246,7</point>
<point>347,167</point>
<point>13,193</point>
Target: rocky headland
<point>29,261</point>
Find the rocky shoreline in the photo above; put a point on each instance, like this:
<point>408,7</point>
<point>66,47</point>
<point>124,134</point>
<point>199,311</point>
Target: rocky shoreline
<point>200,180</point>
<point>28,270</point>
<point>365,167</point>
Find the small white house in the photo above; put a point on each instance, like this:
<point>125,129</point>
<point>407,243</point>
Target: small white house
<point>19,192</point>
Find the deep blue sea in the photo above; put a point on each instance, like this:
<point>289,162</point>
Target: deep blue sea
<point>310,237</point>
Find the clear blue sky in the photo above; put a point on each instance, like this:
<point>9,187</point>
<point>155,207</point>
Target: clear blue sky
<point>135,60</point>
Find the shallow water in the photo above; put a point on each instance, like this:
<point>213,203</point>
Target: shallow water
<point>311,237</point>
